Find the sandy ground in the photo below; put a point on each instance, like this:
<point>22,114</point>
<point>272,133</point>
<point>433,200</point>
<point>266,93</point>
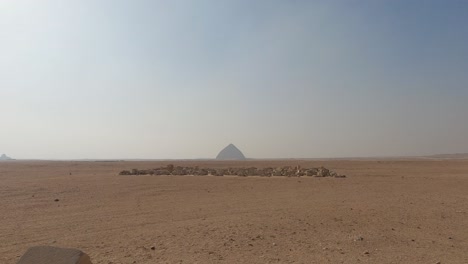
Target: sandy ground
<point>405,211</point>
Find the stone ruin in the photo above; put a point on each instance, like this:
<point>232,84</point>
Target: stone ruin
<point>54,255</point>
<point>287,171</point>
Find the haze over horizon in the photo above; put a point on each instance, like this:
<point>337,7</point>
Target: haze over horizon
<point>104,79</point>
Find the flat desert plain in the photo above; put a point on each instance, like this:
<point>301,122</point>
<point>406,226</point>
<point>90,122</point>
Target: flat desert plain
<point>385,211</point>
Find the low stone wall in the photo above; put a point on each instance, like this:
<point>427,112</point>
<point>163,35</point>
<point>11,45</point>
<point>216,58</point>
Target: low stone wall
<point>287,171</point>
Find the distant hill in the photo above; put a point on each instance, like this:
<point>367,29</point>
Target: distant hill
<point>230,152</point>
<point>449,156</point>
<point>5,157</point>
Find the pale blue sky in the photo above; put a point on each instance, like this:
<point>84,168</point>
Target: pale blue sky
<point>182,79</point>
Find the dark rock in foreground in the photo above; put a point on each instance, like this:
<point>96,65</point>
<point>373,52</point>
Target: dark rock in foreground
<point>54,255</point>
<point>287,171</point>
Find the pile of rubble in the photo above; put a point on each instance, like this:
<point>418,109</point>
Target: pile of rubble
<point>287,171</point>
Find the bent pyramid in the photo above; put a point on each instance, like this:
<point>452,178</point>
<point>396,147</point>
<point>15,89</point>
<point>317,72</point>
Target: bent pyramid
<point>230,152</point>
<point>54,255</point>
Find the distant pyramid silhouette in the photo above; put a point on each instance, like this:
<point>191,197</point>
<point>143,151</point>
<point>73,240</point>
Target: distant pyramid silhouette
<point>230,152</point>
<point>4,157</point>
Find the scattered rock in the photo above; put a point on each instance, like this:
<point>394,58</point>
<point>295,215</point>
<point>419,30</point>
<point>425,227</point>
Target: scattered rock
<point>170,168</point>
<point>323,172</point>
<point>153,248</point>
<point>125,172</point>
<point>56,200</point>
<point>358,238</point>
<point>287,171</point>
<point>311,172</point>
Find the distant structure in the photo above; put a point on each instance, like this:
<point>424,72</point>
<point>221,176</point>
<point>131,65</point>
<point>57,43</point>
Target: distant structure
<point>5,157</point>
<point>230,152</point>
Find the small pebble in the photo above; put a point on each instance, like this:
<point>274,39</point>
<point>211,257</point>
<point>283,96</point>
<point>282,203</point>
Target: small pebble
<point>358,238</point>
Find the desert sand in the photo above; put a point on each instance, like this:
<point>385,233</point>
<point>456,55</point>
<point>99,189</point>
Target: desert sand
<point>385,211</point>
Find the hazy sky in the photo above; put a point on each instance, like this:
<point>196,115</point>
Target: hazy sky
<point>182,79</point>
